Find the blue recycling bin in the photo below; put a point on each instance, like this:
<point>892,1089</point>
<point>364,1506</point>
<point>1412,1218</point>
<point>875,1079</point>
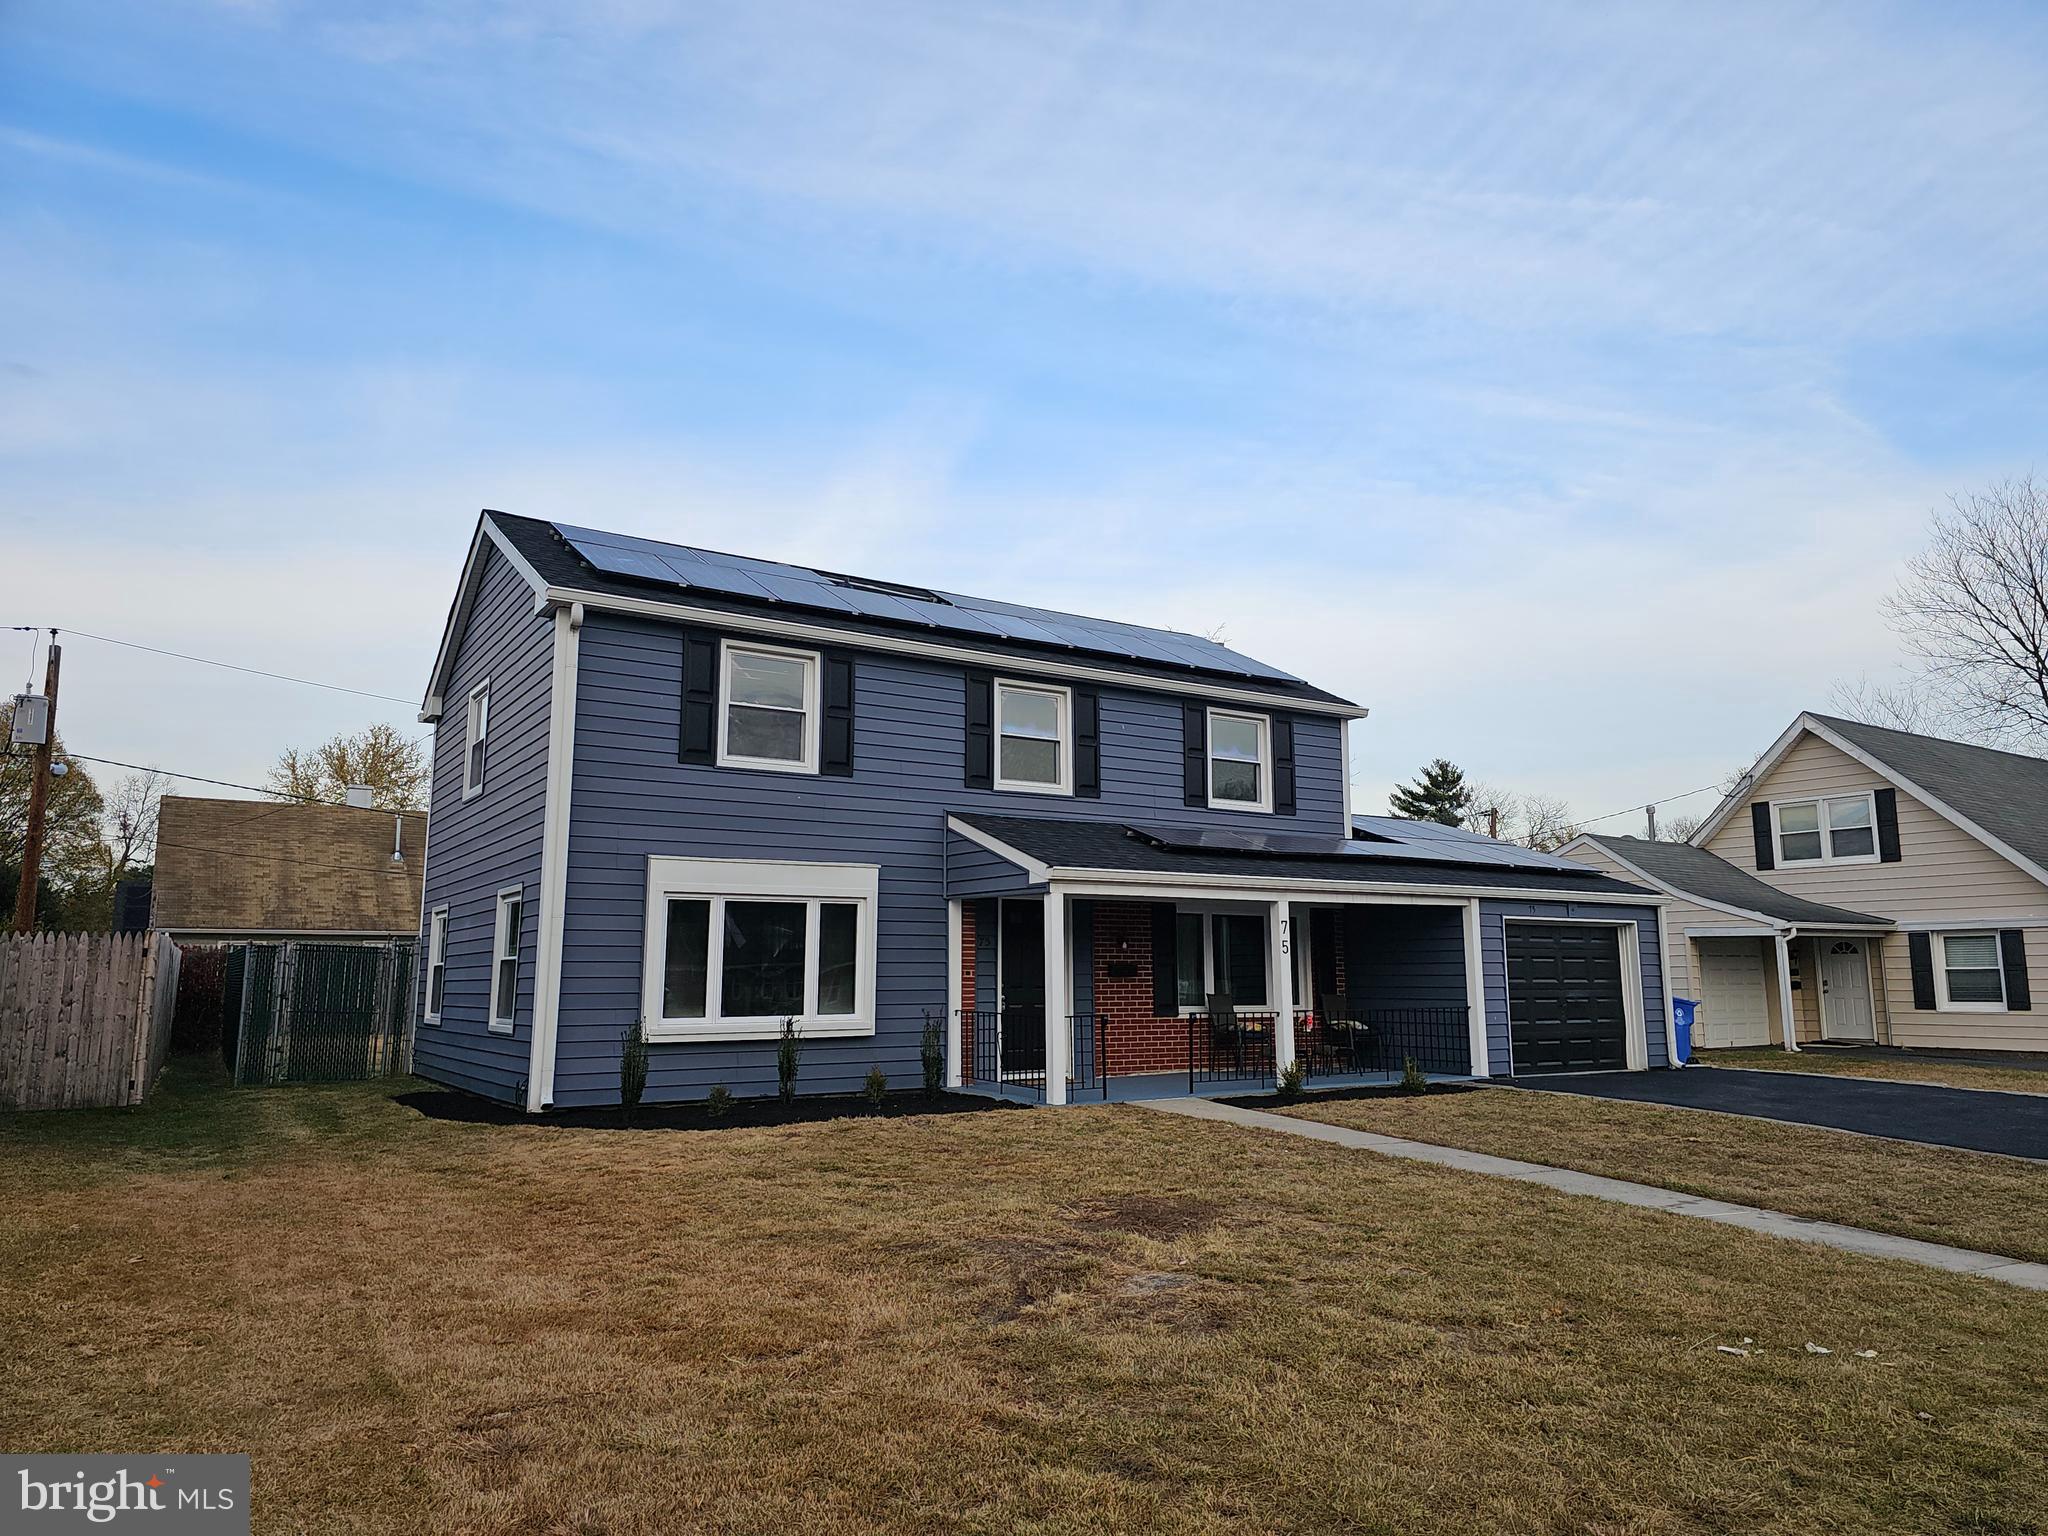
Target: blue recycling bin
<point>1682,1011</point>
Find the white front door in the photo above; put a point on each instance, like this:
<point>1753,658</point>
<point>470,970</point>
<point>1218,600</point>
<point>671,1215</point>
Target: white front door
<point>1734,997</point>
<point>1845,991</point>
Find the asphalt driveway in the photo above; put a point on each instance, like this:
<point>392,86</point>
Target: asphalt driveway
<point>2014,1123</point>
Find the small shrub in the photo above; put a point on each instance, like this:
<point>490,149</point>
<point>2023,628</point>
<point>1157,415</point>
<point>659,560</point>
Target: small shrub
<point>876,1087</point>
<point>1412,1080</point>
<point>933,1053</point>
<point>632,1068</point>
<point>788,1052</point>
<point>1291,1079</point>
<point>718,1102</point>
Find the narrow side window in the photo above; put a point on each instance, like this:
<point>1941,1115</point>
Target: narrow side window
<point>437,963</point>
<point>505,959</point>
<point>479,729</point>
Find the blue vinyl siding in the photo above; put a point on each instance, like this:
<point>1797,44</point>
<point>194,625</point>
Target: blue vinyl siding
<point>476,847</point>
<point>632,798</point>
<point>1494,963</point>
<point>1404,957</point>
<point>971,870</point>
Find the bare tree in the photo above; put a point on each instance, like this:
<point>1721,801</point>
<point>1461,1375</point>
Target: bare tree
<point>1681,828</point>
<point>394,766</point>
<point>1493,811</point>
<point>1974,606</point>
<point>130,820</point>
<point>1546,823</point>
<point>1909,706</point>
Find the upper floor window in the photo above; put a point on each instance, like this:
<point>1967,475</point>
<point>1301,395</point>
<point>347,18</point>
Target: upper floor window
<point>1034,747</point>
<point>1830,830</point>
<point>505,959</point>
<point>1239,767</point>
<point>768,709</point>
<point>1971,976</point>
<point>479,728</point>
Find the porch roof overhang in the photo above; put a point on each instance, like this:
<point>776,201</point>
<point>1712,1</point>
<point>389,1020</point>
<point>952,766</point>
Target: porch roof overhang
<point>1707,880</point>
<point>1115,856</point>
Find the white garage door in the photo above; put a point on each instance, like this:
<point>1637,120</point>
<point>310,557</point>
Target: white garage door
<point>1732,988</point>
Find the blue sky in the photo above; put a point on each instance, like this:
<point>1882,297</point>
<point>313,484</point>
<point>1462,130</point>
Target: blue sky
<point>1564,383</point>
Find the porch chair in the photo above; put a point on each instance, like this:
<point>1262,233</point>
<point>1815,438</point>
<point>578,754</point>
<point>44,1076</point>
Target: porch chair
<point>1341,1037</point>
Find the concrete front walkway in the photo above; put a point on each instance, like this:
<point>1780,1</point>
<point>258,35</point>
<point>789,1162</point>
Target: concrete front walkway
<point>1881,1245</point>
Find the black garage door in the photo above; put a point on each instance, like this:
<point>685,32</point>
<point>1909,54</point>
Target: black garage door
<point>1564,998</point>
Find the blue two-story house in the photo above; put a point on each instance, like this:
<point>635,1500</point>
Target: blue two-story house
<point>711,794</point>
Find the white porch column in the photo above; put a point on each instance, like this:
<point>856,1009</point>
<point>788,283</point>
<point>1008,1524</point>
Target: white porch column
<point>1280,966</point>
<point>1787,1025</point>
<point>1475,992</point>
<point>1059,1038</point>
<point>954,975</point>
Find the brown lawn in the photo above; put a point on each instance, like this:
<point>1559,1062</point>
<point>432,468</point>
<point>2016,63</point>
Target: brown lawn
<point>1970,1199</point>
<point>1095,1320</point>
<point>1899,1067</point>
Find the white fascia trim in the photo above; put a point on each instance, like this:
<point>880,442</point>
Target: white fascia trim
<point>1729,931</point>
<point>434,704</point>
<point>826,634</point>
<point>1966,924</point>
<point>554,858</point>
<point>1749,780</point>
<point>1111,881</point>
<point>1035,873</point>
<point>1810,930</point>
<point>1693,898</point>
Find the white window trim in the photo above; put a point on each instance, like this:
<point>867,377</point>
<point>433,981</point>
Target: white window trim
<point>719,880</point>
<point>437,960</point>
<point>1827,841</point>
<point>471,737</point>
<point>1206,910</point>
<point>1064,697</point>
<point>1942,1002</point>
<point>813,670</point>
<point>1264,804</point>
<point>510,1022</point>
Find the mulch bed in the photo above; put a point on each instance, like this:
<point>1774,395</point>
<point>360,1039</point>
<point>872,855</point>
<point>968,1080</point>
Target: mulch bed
<point>1275,1100</point>
<point>444,1104</point>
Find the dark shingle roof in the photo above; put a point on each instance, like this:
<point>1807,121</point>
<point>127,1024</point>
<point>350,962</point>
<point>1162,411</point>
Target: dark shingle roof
<point>1712,878</point>
<point>558,565</point>
<point>2005,793</point>
<point>1112,846</point>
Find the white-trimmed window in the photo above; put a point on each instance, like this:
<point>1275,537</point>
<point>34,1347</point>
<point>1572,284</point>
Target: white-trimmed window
<point>1034,745</point>
<point>473,741</point>
<point>768,708</point>
<point>1220,952</point>
<point>437,963</point>
<point>505,959</point>
<point>1969,973</point>
<point>735,946</point>
<point>1833,829</point>
<point>1240,761</point>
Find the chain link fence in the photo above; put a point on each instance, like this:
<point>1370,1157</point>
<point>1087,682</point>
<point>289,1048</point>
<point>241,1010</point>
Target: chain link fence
<point>320,1013</point>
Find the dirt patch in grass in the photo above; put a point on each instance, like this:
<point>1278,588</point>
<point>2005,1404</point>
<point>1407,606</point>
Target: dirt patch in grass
<point>1094,1320</point>
<point>698,1115</point>
<point>1896,1066</point>
<point>1970,1199</point>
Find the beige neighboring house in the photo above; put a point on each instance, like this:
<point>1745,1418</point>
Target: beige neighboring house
<point>1868,884</point>
<point>253,869</point>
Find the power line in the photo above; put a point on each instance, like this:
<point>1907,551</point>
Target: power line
<point>231,666</point>
<point>1587,821</point>
<point>255,789</point>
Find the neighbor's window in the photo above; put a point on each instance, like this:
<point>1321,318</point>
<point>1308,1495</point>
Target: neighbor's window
<point>1031,738</point>
<point>437,962</point>
<point>1220,952</point>
<point>736,948</point>
<point>1237,761</point>
<point>1829,830</point>
<point>769,717</point>
<point>1972,976</point>
<point>479,728</point>
<point>505,959</point>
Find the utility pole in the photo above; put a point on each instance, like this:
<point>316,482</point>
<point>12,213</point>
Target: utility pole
<point>1493,822</point>
<point>38,800</point>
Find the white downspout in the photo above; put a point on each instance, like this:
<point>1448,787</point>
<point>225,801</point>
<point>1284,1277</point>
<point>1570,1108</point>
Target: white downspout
<point>1787,1027</point>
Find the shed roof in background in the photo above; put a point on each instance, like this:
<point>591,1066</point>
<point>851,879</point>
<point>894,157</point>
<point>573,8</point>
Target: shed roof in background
<point>258,866</point>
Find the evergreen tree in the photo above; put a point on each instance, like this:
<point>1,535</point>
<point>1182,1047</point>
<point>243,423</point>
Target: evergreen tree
<point>1439,794</point>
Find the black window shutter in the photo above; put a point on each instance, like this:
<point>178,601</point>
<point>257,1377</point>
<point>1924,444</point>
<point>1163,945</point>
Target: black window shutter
<point>1888,826</point>
<point>1087,743</point>
<point>1920,950</point>
<point>1283,765</point>
<point>1165,961</point>
<point>981,737</point>
<point>1194,748</point>
<point>1760,823</point>
<point>2012,951</point>
<point>835,755</point>
<point>700,698</point>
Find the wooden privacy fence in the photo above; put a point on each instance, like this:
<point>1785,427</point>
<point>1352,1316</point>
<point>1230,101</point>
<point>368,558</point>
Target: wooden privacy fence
<point>85,1018</point>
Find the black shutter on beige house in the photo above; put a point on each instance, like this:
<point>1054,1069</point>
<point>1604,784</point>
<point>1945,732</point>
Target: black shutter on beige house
<point>1888,826</point>
<point>700,698</point>
<point>1165,961</point>
<point>835,743</point>
<point>1087,744</point>
<point>1283,765</point>
<point>2012,956</point>
<point>1194,749</point>
<point>1760,824</point>
<point>981,733</point>
<point>1920,952</point>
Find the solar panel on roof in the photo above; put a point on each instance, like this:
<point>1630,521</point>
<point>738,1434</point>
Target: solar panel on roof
<point>619,561</point>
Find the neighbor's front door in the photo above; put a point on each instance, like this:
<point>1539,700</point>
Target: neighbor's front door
<point>1021,963</point>
<point>1845,991</point>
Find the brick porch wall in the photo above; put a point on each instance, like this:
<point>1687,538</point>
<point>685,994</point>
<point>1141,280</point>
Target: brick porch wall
<point>1136,1040</point>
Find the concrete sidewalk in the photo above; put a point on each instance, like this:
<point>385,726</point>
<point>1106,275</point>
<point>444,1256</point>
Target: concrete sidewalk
<point>1879,1245</point>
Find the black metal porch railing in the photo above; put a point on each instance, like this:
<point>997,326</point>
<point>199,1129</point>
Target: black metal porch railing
<point>1384,1040</point>
<point>1236,1049</point>
<point>1004,1047</point>
<point>1087,1031</point>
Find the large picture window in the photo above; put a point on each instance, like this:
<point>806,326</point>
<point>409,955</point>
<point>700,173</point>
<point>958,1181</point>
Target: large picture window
<point>1971,976</point>
<point>735,947</point>
<point>1833,829</point>
<point>1240,775</point>
<point>768,709</point>
<point>1033,747</point>
<point>1220,952</point>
